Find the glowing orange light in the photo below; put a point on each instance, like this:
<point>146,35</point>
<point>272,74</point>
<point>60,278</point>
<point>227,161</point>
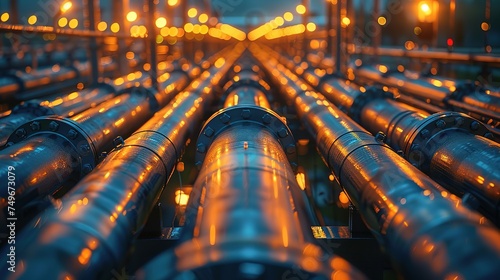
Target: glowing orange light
<point>132,16</point>
<point>192,12</point>
<point>66,6</point>
<point>301,9</point>
<point>161,22</point>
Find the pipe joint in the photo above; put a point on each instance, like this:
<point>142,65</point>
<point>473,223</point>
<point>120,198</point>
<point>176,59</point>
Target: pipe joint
<point>426,136</point>
<point>247,115</point>
<point>66,131</point>
<point>465,89</point>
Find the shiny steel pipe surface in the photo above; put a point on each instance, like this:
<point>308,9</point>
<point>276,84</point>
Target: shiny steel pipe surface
<point>65,106</point>
<point>100,217</point>
<point>452,155</point>
<point>445,146</point>
<point>245,213</point>
<point>425,230</point>
<point>435,91</point>
<point>88,134</point>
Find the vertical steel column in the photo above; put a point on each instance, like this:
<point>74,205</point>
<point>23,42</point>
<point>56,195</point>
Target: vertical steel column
<point>94,57</point>
<point>14,10</point>
<point>185,43</point>
<point>170,14</point>
<point>425,230</point>
<point>152,42</point>
<point>329,27</point>
<point>378,35</point>
<point>118,11</point>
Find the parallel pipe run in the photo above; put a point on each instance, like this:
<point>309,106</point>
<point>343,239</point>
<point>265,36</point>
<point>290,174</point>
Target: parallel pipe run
<point>171,82</point>
<point>449,147</point>
<point>465,97</point>
<point>424,229</point>
<point>20,86</point>
<point>244,219</point>
<point>100,217</point>
<point>56,152</point>
<point>66,106</point>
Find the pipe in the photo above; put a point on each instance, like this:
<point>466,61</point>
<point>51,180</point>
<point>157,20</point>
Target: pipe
<point>44,167</point>
<point>442,55</point>
<point>400,123</point>
<point>56,152</point>
<point>245,208</point>
<point>20,86</point>
<point>425,230</point>
<point>65,106</point>
<point>464,97</point>
<point>101,216</point>
<point>447,146</point>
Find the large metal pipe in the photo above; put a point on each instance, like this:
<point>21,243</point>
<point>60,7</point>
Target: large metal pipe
<point>449,147</point>
<point>20,86</point>
<point>462,97</point>
<point>56,152</point>
<point>245,210</point>
<point>425,230</point>
<point>100,217</point>
<point>65,106</point>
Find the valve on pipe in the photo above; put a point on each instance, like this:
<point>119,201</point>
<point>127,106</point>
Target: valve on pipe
<point>424,229</point>
<point>73,103</point>
<point>102,215</point>
<point>244,218</point>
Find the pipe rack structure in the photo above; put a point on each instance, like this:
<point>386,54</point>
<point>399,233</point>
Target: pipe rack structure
<point>425,230</point>
<point>246,218</point>
<point>288,162</point>
<point>21,86</point>
<point>464,97</point>
<point>452,148</point>
<point>99,218</point>
<point>175,79</point>
<point>52,153</point>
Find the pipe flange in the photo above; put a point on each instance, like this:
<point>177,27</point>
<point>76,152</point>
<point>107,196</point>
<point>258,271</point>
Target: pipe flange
<point>33,108</point>
<point>419,148</point>
<point>67,130</point>
<point>246,114</point>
